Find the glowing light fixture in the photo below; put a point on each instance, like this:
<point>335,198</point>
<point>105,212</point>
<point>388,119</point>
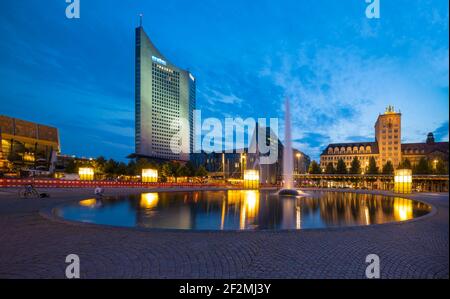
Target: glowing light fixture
<point>402,181</point>
<point>149,175</point>
<point>86,173</point>
<point>251,179</point>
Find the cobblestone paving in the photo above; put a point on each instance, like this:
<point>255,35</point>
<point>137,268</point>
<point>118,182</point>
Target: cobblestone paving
<point>32,246</point>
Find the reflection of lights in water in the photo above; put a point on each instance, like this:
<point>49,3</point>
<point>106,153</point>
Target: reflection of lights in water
<point>88,202</point>
<point>233,196</point>
<point>366,213</point>
<point>149,200</point>
<point>403,209</point>
<point>249,204</point>
<point>298,220</point>
<point>222,219</point>
<point>242,218</point>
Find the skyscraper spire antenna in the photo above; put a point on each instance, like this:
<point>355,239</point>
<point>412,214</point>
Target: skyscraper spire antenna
<point>140,19</point>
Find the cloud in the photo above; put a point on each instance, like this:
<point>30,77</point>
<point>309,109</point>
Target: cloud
<point>214,97</point>
<point>441,133</point>
<point>338,92</point>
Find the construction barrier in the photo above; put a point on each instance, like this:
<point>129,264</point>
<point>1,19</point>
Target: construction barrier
<point>58,183</point>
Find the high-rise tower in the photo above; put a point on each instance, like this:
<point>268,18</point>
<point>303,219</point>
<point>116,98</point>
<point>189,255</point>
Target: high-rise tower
<point>388,136</point>
<point>164,104</point>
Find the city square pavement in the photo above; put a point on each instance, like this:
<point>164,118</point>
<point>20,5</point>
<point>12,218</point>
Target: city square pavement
<point>33,245</point>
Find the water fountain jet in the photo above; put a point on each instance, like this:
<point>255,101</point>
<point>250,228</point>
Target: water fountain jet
<point>288,159</point>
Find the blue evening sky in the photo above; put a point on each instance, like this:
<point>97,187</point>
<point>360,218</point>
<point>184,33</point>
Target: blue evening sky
<point>339,68</point>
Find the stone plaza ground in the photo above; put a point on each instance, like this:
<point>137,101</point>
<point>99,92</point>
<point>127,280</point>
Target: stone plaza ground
<point>33,245</point>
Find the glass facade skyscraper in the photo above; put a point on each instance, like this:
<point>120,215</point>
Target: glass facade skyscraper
<point>164,104</point>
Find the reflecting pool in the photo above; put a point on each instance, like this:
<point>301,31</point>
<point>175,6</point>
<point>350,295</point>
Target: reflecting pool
<point>242,210</point>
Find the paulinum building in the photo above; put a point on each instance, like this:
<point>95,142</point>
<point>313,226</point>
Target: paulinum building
<point>164,104</point>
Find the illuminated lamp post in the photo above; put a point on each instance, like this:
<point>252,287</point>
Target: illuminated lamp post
<point>403,181</point>
<point>86,173</point>
<point>149,175</point>
<point>251,179</point>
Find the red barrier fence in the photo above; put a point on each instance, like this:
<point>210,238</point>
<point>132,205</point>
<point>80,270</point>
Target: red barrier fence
<point>56,183</point>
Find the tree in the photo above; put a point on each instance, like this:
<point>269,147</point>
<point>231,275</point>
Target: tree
<point>388,168</point>
<point>71,166</point>
<point>441,167</point>
<point>184,171</point>
<point>405,164</point>
<point>143,163</point>
<point>355,167</point>
<point>314,168</point>
<point>201,171</point>
<point>175,169</point>
<point>373,168</point>
<point>422,167</point>
<point>166,171</point>
<point>121,169</point>
<point>341,168</point>
<point>110,167</point>
<point>190,168</point>
<point>330,168</point>
<point>100,163</point>
<point>131,168</point>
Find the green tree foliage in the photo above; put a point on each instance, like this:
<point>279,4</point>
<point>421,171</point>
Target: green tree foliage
<point>121,169</point>
<point>99,165</point>
<point>388,168</point>
<point>131,168</point>
<point>355,167</point>
<point>314,168</point>
<point>190,169</point>
<point>166,171</point>
<point>441,167</point>
<point>405,164</point>
<point>71,166</point>
<point>111,168</point>
<point>373,168</point>
<point>422,167</point>
<point>201,171</point>
<point>330,168</point>
<point>341,168</point>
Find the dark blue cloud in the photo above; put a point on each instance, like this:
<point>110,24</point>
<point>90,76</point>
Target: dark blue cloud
<point>441,133</point>
<point>313,139</point>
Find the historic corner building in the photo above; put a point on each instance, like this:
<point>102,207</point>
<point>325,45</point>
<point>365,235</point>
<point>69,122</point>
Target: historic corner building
<point>26,144</point>
<point>164,96</point>
<point>386,147</point>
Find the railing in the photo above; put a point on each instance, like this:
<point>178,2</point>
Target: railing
<point>369,176</point>
<point>56,183</point>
